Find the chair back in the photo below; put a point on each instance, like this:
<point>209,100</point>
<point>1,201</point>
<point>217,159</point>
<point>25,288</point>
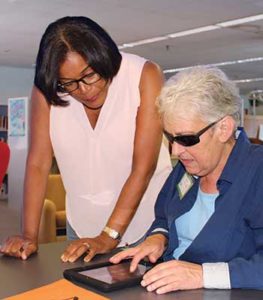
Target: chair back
<point>256,141</point>
<point>55,191</point>
<point>4,160</point>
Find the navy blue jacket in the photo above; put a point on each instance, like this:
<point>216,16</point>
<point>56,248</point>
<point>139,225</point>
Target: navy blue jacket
<point>234,233</point>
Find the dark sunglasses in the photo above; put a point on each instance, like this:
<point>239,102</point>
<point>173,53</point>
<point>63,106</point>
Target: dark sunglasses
<point>188,140</point>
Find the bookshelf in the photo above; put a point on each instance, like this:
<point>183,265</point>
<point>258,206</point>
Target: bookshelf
<point>3,137</point>
<point>3,123</point>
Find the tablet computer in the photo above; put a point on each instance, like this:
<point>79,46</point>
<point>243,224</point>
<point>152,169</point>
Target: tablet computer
<point>106,276</point>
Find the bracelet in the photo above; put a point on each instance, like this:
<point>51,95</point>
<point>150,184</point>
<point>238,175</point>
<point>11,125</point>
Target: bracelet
<point>112,233</point>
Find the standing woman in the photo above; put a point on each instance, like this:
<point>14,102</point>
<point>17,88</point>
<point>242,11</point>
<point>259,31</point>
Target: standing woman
<point>95,108</point>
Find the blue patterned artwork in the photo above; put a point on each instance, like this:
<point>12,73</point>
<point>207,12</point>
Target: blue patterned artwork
<point>17,117</point>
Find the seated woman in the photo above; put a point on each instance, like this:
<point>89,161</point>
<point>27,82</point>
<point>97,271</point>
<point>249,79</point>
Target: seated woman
<point>208,226</point>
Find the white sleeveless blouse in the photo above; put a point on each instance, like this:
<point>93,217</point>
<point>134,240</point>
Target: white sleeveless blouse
<point>95,163</point>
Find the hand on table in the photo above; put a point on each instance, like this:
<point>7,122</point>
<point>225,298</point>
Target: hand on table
<point>152,248</point>
<point>173,275</point>
<point>19,246</point>
<point>91,246</point>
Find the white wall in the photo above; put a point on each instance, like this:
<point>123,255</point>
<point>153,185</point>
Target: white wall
<point>15,82</point>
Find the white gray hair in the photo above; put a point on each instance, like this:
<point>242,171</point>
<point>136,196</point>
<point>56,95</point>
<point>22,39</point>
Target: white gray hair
<point>201,91</point>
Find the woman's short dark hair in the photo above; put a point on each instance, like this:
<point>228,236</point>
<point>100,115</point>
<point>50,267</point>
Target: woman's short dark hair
<point>77,34</point>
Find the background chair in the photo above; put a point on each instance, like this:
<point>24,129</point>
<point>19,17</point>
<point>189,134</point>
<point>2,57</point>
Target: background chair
<point>256,141</point>
<point>4,160</point>
<point>53,219</point>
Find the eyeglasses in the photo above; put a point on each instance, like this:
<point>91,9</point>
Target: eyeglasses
<point>188,140</point>
<point>73,85</point>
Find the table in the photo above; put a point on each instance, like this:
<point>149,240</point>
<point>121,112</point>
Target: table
<point>18,276</point>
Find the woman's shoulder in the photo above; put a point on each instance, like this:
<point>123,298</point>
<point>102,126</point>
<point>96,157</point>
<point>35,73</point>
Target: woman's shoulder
<point>134,61</point>
<point>131,69</point>
<point>131,59</point>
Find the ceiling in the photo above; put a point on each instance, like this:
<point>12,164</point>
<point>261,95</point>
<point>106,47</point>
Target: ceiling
<point>22,23</point>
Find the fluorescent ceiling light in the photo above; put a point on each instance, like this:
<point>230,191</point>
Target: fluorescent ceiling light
<point>248,80</point>
<point>225,63</point>
<point>143,42</point>
<point>240,21</point>
<point>193,31</point>
<point>240,61</point>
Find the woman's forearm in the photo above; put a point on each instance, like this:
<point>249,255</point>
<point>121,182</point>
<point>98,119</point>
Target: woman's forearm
<point>34,194</point>
<point>129,200</point>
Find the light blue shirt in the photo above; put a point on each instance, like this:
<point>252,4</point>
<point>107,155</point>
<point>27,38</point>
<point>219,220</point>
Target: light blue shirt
<point>191,223</point>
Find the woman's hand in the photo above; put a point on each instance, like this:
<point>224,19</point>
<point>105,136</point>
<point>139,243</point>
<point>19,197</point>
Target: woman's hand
<point>173,275</point>
<point>92,246</point>
<point>153,248</point>
<point>19,246</point>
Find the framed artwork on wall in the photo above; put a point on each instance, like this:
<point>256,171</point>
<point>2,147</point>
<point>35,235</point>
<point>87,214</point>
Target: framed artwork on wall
<point>18,142</point>
<point>17,112</point>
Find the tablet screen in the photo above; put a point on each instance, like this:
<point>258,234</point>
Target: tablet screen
<point>115,273</point>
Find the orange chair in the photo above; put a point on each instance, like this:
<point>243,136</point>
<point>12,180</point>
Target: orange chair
<point>4,160</point>
<point>53,219</point>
